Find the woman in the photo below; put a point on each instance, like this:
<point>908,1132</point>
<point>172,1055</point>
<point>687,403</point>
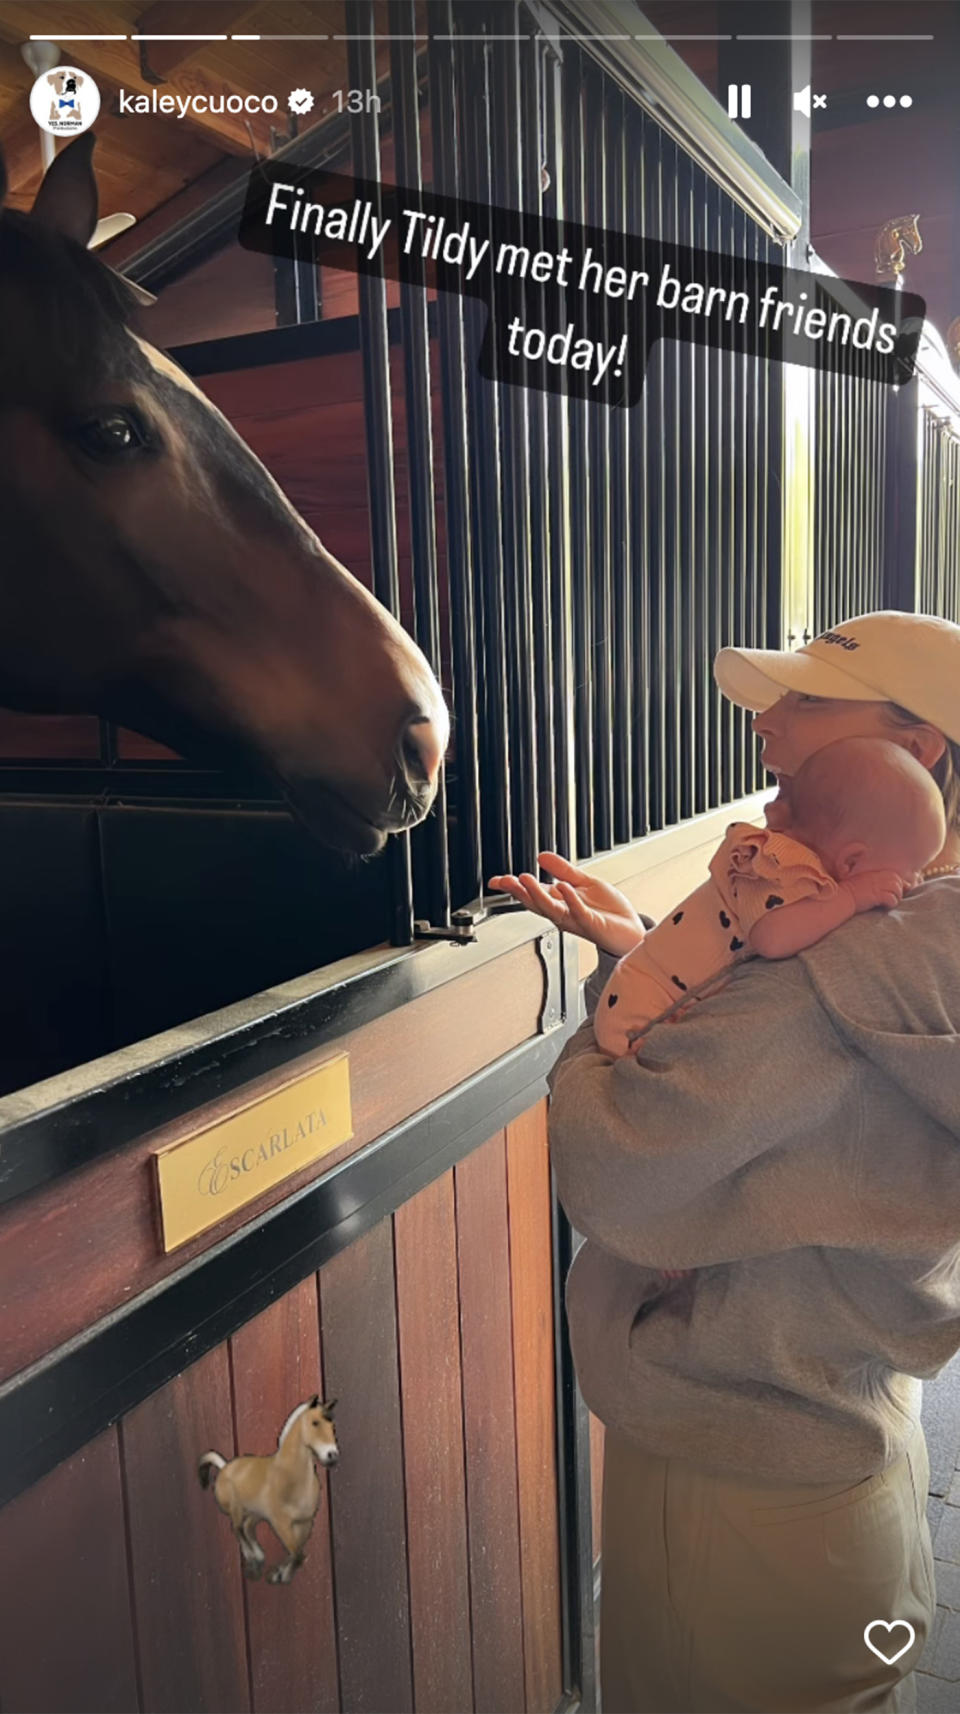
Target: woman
<point>794,1141</point>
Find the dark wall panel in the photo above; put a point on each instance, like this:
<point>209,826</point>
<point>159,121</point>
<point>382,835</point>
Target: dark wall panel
<point>66,1627</point>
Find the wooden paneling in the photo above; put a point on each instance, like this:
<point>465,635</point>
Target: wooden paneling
<point>66,1629</point>
<point>99,1220</point>
<point>358,1315</point>
<point>490,1432</point>
<point>231,292</point>
<point>428,1321</point>
<point>185,1564</point>
<point>431,1580</point>
<point>275,1364</point>
<point>531,1271</point>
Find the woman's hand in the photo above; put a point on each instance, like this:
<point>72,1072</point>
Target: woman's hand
<point>875,888</point>
<point>577,903</point>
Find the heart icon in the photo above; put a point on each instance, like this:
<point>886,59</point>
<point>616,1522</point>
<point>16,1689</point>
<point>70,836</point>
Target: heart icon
<point>894,1625</point>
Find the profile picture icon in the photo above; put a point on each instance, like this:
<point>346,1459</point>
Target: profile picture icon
<point>65,101</point>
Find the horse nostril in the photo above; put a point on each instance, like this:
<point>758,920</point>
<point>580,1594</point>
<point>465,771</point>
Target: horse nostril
<point>421,748</point>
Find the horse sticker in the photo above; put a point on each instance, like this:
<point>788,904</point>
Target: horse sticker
<point>282,1490</point>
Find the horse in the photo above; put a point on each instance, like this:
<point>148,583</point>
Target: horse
<point>156,575</point>
<point>283,1489</point>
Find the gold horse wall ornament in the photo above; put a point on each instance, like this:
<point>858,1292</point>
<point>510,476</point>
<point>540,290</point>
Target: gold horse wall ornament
<point>892,242</point>
<point>953,341</point>
<point>282,1490</point>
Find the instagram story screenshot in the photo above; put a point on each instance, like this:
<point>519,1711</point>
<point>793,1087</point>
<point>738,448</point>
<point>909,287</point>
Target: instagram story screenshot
<point>480,856</point>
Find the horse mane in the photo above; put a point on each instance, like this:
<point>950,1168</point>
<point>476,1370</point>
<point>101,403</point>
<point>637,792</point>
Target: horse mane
<point>298,1410</point>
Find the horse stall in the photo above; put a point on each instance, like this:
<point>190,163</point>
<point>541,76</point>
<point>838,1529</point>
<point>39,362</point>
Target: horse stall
<point>273,1126</point>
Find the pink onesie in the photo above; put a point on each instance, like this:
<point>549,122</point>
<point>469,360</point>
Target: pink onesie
<point>754,870</point>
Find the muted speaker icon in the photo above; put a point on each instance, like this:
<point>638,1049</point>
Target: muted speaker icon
<point>802,100</point>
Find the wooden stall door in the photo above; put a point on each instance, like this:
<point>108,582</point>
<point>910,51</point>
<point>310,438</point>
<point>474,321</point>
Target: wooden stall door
<point>432,1576</point>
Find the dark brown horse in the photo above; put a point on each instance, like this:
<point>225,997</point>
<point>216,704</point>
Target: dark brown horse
<point>152,572</point>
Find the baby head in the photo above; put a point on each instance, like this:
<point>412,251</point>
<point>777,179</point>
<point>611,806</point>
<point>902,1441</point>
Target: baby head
<point>866,803</point>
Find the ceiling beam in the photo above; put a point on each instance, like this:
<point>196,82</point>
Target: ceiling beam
<point>186,18</point>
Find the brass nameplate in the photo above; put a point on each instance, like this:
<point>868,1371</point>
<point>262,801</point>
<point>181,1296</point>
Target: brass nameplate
<point>203,1178</point>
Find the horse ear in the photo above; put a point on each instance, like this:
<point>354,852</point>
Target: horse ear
<point>315,1401</point>
<point>67,198</point>
<point>329,1408</point>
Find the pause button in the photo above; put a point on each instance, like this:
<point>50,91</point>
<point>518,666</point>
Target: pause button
<point>738,100</point>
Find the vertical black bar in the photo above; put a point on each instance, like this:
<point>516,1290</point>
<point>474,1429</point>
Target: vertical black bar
<point>661,567</point>
<point>598,430</point>
<point>673,677</point>
<point>638,492</point>
<point>739,501</point>
<point>485,468</point>
<point>580,539</point>
<point>903,497</point>
<point>684,573</point>
<point>460,570</point>
<point>512,167</point>
<point>429,840</point>
<point>712,542</point>
<point>359,20</point>
<point>622,571</point>
<point>725,540</point>
<point>534,69</point>
<point>558,491</point>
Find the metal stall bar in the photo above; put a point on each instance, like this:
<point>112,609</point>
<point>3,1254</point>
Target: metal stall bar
<point>484,468</point>
<point>445,144</point>
<point>558,497</point>
<point>636,128</point>
<point>536,64</point>
<point>597,419</point>
<point>756,476</point>
<point>514,183</point>
<point>377,402</point>
<point>574,194</point>
<point>670,707</point>
<point>429,840</point>
<point>623,579</point>
<point>698,642</point>
<point>711,501</point>
<point>657,573</point>
<point>683,571</point>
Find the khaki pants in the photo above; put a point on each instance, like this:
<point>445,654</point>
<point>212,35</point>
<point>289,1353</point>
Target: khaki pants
<point>721,1595</point>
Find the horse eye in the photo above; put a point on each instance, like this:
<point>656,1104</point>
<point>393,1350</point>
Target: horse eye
<point>112,435</point>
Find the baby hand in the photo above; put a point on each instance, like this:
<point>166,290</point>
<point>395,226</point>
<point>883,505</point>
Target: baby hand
<point>875,888</point>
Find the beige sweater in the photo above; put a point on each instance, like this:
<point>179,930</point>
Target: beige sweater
<point>796,1140</point>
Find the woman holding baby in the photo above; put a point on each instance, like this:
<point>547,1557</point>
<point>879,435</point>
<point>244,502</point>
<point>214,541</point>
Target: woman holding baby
<point>757,1130</point>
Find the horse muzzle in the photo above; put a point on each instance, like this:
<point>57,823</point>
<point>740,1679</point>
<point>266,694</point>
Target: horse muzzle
<point>349,814</point>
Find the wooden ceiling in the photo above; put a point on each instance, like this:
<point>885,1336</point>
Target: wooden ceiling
<point>144,160</point>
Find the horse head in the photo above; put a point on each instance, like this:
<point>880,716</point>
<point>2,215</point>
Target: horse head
<point>317,1430</point>
<point>156,575</point>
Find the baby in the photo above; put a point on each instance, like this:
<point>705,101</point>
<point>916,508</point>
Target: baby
<point>862,811</point>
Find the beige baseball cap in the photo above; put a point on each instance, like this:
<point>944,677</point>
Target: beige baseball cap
<point>910,658</point>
